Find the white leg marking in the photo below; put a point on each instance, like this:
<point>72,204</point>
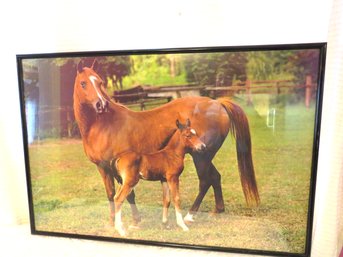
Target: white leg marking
<point>119,224</point>
<point>165,215</point>
<point>179,221</point>
<point>166,195</point>
<point>189,217</point>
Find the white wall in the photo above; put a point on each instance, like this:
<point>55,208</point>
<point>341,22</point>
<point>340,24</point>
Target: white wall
<point>59,26</point>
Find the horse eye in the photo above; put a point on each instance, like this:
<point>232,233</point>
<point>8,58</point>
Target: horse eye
<point>83,84</point>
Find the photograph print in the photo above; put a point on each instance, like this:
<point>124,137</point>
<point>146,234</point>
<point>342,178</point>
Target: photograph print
<point>206,148</point>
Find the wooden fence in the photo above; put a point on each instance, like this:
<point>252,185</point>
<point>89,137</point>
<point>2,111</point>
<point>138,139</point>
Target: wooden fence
<point>250,88</point>
<point>263,86</point>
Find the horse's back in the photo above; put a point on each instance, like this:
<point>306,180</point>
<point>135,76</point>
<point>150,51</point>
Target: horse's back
<point>198,109</point>
<point>208,117</point>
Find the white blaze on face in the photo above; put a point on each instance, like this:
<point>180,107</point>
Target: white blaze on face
<point>193,132</point>
<point>93,79</point>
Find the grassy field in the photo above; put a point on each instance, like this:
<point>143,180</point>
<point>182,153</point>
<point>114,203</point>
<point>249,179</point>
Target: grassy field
<point>69,196</point>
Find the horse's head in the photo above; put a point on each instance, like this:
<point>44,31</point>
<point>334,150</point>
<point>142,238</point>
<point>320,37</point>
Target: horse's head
<point>89,88</point>
<point>189,137</point>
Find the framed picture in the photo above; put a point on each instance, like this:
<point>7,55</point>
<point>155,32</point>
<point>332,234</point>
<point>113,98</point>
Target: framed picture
<point>207,148</point>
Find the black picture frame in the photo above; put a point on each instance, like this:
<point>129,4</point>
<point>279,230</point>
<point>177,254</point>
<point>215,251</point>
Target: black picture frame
<point>282,102</point>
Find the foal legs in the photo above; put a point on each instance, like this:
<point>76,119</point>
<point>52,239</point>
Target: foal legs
<point>173,183</point>
<point>108,179</point>
<point>166,203</point>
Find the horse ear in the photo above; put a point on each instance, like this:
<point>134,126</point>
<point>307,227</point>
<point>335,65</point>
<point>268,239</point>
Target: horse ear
<point>80,66</point>
<point>188,123</point>
<point>95,65</point>
<point>179,125</point>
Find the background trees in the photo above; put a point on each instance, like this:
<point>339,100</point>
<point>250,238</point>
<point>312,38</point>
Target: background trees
<point>210,69</point>
<point>216,69</point>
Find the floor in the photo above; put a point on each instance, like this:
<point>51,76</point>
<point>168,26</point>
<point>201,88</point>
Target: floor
<point>17,241</point>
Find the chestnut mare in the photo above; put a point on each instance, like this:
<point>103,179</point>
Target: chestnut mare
<point>109,129</point>
<point>165,165</point>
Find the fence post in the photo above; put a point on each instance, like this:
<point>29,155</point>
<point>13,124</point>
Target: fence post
<point>248,91</point>
<point>278,91</point>
<point>308,91</point>
<point>69,123</point>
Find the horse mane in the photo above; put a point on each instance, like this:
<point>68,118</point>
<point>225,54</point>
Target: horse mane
<point>118,105</point>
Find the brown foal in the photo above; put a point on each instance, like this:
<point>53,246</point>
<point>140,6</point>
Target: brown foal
<point>165,165</point>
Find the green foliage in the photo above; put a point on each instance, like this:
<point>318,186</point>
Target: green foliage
<point>212,69</point>
<point>114,69</point>
<point>269,65</point>
<point>215,69</point>
<point>111,68</point>
<point>283,65</point>
<point>155,70</point>
<point>222,69</point>
<point>63,61</point>
<point>303,63</point>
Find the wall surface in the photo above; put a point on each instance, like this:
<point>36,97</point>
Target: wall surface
<point>60,26</point>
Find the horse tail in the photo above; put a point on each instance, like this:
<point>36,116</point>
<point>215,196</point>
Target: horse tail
<point>239,127</point>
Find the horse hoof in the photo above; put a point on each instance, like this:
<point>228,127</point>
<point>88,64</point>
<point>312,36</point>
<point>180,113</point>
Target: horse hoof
<point>137,220</point>
<point>183,226</point>
<point>134,226</point>
<point>216,212</point>
<point>166,226</point>
<point>189,218</point>
<point>121,232</point>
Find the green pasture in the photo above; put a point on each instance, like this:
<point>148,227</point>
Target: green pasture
<point>69,197</point>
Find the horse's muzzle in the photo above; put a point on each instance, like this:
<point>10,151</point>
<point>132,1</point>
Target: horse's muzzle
<point>201,147</point>
<point>101,106</point>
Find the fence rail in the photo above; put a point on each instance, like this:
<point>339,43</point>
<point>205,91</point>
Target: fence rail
<point>256,86</point>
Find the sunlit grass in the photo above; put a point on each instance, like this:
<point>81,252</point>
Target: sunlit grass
<point>69,196</point>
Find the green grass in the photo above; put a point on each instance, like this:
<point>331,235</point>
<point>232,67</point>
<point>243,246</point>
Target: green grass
<point>69,196</point>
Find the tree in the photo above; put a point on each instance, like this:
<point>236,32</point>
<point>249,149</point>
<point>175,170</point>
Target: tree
<point>216,69</point>
<point>304,63</point>
<point>269,65</point>
<point>156,69</point>
<point>115,68</point>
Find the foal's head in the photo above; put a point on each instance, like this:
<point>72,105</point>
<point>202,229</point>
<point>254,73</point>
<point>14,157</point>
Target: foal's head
<point>89,88</point>
<point>189,137</point>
